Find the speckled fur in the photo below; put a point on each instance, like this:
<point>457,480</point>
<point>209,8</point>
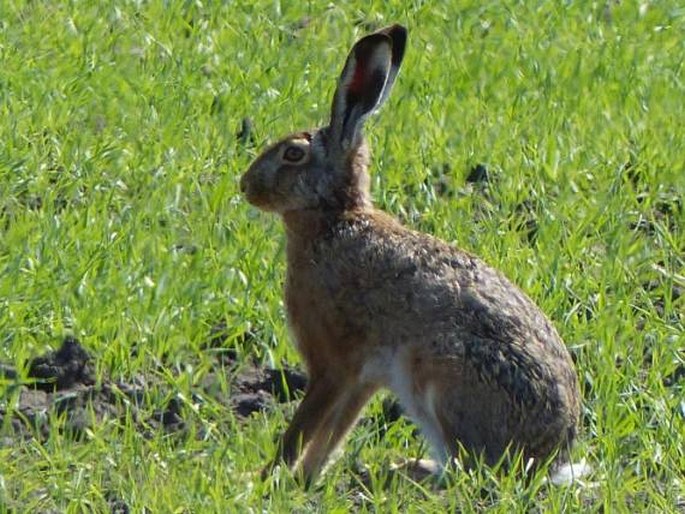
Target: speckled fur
<point>372,304</point>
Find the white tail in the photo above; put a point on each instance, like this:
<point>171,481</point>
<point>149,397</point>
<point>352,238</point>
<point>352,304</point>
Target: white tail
<point>568,473</point>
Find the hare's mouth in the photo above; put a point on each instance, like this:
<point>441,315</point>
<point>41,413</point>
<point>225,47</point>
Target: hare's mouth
<point>257,198</point>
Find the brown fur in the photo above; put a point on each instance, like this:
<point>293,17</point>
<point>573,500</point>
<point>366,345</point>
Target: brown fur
<point>372,304</point>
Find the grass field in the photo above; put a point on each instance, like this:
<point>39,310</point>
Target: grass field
<point>121,223</point>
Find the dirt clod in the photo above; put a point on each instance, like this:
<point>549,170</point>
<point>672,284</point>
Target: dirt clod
<point>63,368</point>
<point>256,388</point>
<point>245,134</point>
<point>116,505</point>
<point>479,173</point>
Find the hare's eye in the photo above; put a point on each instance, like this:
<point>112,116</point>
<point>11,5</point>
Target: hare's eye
<point>293,154</point>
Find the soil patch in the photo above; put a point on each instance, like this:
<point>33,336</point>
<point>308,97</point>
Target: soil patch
<point>62,384</point>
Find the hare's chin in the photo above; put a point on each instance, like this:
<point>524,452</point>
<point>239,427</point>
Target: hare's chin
<point>255,199</point>
<point>261,204</point>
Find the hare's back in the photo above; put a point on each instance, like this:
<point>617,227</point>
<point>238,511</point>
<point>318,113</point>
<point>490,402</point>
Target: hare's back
<point>421,285</point>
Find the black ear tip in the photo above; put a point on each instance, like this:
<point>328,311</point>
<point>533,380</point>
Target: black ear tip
<point>398,30</point>
<point>398,33</point>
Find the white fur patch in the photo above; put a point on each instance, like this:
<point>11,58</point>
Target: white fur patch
<point>392,368</point>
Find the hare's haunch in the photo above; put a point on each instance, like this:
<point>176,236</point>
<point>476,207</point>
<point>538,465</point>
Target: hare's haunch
<point>373,304</point>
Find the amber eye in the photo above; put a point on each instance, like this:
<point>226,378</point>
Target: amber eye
<point>293,154</point>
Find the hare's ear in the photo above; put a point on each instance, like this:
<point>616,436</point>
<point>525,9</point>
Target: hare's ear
<point>398,34</point>
<point>365,82</point>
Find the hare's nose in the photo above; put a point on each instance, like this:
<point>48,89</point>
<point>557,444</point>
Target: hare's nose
<point>243,184</point>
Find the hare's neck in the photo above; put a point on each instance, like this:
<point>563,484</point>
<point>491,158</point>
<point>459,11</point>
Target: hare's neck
<point>305,225</point>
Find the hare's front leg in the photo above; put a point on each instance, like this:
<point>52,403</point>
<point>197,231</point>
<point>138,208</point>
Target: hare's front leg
<point>334,426</point>
<point>327,412</point>
<point>322,394</point>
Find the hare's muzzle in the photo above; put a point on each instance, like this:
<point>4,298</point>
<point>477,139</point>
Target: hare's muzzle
<point>248,187</point>
<point>253,189</point>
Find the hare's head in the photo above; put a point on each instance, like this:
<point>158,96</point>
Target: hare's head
<point>326,168</point>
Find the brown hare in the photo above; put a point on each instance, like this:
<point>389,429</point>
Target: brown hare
<point>373,304</point>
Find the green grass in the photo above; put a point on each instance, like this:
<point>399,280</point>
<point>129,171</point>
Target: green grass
<point>121,222</point>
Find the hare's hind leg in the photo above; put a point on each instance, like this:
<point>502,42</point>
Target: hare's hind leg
<point>333,427</point>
